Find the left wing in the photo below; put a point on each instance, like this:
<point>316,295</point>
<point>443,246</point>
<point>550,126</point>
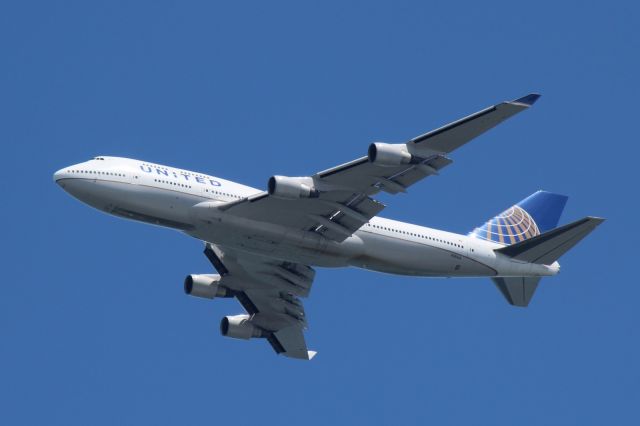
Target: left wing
<point>337,202</point>
<point>269,291</point>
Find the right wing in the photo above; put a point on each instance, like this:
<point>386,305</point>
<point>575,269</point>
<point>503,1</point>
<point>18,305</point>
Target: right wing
<point>270,292</point>
<point>337,202</point>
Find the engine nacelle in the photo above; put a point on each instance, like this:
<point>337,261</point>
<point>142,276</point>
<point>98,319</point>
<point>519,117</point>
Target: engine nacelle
<point>239,327</point>
<point>206,286</point>
<point>292,187</point>
<point>386,154</point>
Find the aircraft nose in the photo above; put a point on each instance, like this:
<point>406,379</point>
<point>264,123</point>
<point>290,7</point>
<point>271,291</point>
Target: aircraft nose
<point>57,176</point>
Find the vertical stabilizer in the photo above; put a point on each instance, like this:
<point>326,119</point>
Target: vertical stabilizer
<point>532,216</point>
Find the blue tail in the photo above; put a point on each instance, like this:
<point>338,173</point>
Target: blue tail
<point>538,213</point>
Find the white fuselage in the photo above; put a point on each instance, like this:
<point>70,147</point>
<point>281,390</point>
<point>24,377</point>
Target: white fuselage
<point>183,200</point>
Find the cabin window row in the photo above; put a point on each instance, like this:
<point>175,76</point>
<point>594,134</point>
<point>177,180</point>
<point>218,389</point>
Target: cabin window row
<point>172,183</point>
<point>96,172</point>
<point>426,237</point>
<point>222,193</point>
<point>189,186</point>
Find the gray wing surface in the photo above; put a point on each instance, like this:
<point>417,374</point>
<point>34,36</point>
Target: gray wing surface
<point>344,202</point>
<point>270,292</point>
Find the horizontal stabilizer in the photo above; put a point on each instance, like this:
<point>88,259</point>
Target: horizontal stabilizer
<point>517,290</point>
<point>548,247</point>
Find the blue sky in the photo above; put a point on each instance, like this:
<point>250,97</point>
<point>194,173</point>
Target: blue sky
<point>94,326</point>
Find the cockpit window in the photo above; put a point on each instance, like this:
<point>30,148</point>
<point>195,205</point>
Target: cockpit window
<point>99,158</point>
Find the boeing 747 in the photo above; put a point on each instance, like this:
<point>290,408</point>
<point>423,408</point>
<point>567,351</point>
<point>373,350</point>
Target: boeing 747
<point>265,244</point>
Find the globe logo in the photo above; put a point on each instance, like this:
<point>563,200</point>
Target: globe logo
<point>511,226</point>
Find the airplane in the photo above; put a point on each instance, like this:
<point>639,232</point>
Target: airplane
<point>264,244</point>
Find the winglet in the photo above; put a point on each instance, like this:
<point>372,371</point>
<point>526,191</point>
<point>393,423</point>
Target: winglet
<point>311,354</point>
<point>528,100</point>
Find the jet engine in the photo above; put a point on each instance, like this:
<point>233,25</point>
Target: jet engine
<point>239,327</point>
<point>386,154</point>
<point>292,187</point>
<point>206,286</point>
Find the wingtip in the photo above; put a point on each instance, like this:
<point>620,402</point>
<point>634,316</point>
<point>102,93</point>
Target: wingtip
<point>596,219</point>
<point>528,100</point>
<point>311,354</point>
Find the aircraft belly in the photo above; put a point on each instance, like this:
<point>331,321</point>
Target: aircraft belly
<point>266,239</point>
<point>363,249</point>
<point>169,208</point>
<point>147,204</point>
<point>399,256</point>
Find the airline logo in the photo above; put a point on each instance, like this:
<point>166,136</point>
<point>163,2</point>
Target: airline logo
<point>509,227</point>
<point>179,175</point>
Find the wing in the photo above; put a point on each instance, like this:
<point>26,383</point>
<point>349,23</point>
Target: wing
<point>336,202</point>
<point>270,292</point>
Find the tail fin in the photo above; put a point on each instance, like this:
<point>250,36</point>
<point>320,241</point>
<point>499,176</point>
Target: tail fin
<point>532,216</point>
<point>548,247</point>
